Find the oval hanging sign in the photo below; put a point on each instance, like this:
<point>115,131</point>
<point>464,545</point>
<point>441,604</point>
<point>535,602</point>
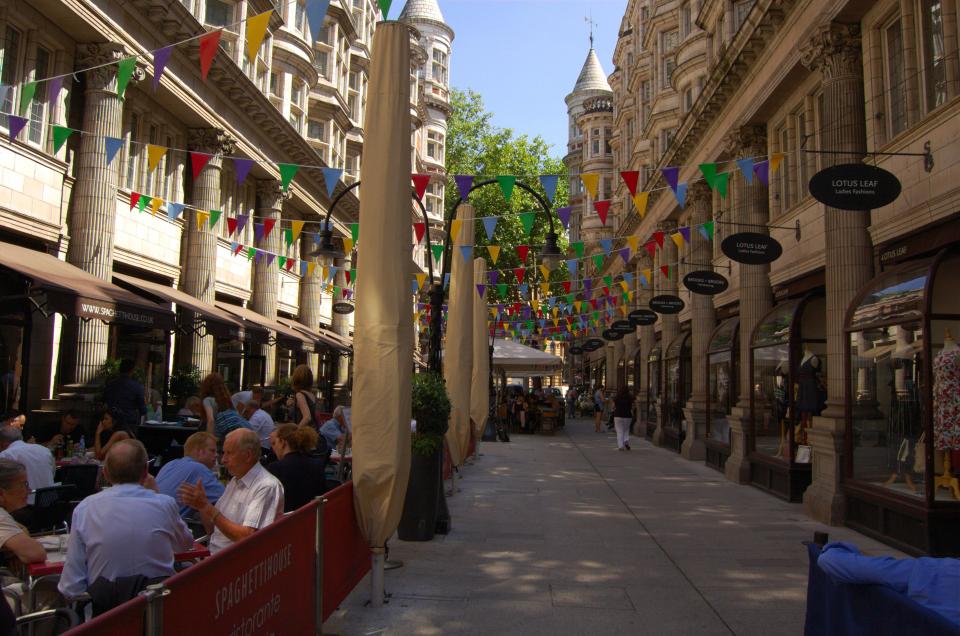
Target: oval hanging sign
<point>589,348</point>
<point>593,343</point>
<point>642,317</point>
<point>855,186</point>
<point>342,308</point>
<point>576,351</point>
<point>612,334</point>
<point>667,304</point>
<point>623,326</point>
<point>751,248</point>
<point>705,282</point>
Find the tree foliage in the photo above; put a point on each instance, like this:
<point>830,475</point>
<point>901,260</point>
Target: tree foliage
<point>476,147</point>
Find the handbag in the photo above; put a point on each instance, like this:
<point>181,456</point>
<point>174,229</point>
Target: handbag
<point>920,454</point>
<point>803,454</point>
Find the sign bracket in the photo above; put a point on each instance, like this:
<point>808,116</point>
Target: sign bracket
<point>795,227</point>
<point>927,154</point>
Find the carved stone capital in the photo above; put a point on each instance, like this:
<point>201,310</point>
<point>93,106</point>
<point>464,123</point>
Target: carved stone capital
<point>214,141</point>
<point>667,226</point>
<point>103,55</point>
<point>747,141</point>
<point>835,50</point>
<point>699,194</point>
<point>270,194</point>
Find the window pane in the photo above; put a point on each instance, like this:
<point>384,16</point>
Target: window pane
<point>895,81</point>
<point>38,106</point>
<point>10,62</point>
<point>219,13</point>
<point>933,56</point>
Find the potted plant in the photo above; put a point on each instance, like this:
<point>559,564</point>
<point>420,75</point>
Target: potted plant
<point>184,382</point>
<point>431,410</point>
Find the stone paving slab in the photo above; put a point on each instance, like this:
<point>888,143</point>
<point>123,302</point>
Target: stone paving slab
<point>566,535</point>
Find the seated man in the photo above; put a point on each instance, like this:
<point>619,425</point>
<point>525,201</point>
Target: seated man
<point>199,458</point>
<point>14,486</point>
<point>127,530</point>
<point>59,433</point>
<point>260,422</point>
<point>252,500</point>
<point>335,430</point>
<point>37,459</point>
<point>257,394</point>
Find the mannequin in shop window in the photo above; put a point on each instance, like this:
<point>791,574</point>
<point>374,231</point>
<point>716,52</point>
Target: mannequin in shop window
<point>946,409</point>
<point>810,394</point>
<point>905,418</point>
<point>780,383</point>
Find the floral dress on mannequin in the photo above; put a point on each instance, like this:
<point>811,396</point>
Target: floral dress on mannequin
<point>946,399</point>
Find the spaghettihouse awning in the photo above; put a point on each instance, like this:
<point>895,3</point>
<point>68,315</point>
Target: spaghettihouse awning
<point>58,286</point>
<point>286,336</point>
<point>321,336</point>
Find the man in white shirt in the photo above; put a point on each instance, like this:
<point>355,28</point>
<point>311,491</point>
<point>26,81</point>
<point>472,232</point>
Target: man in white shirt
<point>37,458</point>
<point>252,500</point>
<point>125,530</point>
<point>260,421</point>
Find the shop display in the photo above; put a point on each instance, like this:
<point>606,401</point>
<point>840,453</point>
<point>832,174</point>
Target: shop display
<point>651,409</point>
<point>722,359</point>
<point>679,385</point>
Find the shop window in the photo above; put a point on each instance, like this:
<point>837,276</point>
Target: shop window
<point>679,386</point>
<point>896,87</point>
<point>934,57</point>
<point>723,354</point>
<point>218,13</point>
<point>653,387</point>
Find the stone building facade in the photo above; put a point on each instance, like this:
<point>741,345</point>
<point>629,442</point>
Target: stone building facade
<point>811,85</point>
<point>302,101</point>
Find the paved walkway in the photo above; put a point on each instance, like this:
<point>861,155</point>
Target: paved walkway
<point>566,535</point>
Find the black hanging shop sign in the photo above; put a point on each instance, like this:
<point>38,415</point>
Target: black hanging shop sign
<point>667,304</point>
<point>576,351</point>
<point>855,186</point>
<point>592,344</point>
<point>612,335</point>
<point>705,282</point>
<point>751,248</point>
<point>342,308</point>
<point>642,317</point>
<point>623,326</point>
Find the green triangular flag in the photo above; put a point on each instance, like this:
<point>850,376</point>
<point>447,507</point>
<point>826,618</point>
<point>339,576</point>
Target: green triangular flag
<point>608,280</point>
<point>384,7</point>
<point>60,136</point>
<point>506,185</point>
<point>527,218</point>
<point>578,248</point>
<point>353,277</point>
<point>502,289</point>
<point>720,183</point>
<point>437,252</point>
<point>355,231</point>
<point>598,260</point>
<point>281,261</point>
<point>596,315</point>
<point>26,96</point>
<point>336,293</point>
<point>143,202</point>
<point>287,172</point>
<point>709,171</point>
<point>708,228</point>
<point>288,236</point>
<point>214,217</point>
<point>125,68</point>
<point>251,252</point>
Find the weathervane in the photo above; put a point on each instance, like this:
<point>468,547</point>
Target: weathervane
<point>589,20</point>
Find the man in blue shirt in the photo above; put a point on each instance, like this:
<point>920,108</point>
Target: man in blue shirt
<point>335,429</point>
<point>124,396</point>
<point>199,458</point>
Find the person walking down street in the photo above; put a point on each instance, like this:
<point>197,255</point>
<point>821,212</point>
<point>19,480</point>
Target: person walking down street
<point>124,397</point>
<point>598,408</point>
<point>622,414</point>
<point>571,401</point>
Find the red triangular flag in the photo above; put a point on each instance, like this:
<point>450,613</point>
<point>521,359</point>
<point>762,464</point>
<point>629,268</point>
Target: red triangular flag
<point>593,301</point>
<point>658,236</point>
<point>134,199</point>
<point>522,251</point>
<point>420,182</point>
<point>566,286</point>
<point>231,225</point>
<point>346,273</point>
<point>420,229</point>
<point>289,264</point>
<point>518,272</point>
<point>237,249</point>
<point>606,291</point>
<point>665,269</point>
<point>630,178</point>
<point>268,226</point>
<point>208,49</point>
<point>602,207</point>
<point>198,160</point>
<point>651,248</point>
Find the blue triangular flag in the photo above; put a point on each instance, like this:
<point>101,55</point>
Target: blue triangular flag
<point>681,194</point>
<point>607,245</point>
<point>331,176</point>
<point>415,287</point>
<point>332,272</point>
<point>112,145</point>
<point>174,210</point>
<point>466,251</point>
<point>572,266</point>
<point>628,277</point>
<point>303,268</point>
<point>490,224</point>
<point>316,11</point>
<point>746,167</point>
<point>549,184</point>
<point>523,289</point>
<point>446,280</point>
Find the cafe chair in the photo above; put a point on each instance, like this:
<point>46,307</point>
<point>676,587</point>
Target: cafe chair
<point>51,621</point>
<point>51,508</point>
<point>83,477</point>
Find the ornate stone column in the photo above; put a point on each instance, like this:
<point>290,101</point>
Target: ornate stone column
<point>835,50</point>
<point>610,384</point>
<point>751,207</point>
<point>92,219</point>
<point>199,245</point>
<point>645,338</point>
<point>341,325</point>
<point>702,321</point>
<point>266,275</point>
<point>311,295</point>
<point>670,323</point>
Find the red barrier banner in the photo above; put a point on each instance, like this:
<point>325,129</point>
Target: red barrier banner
<point>346,556</point>
<point>123,619</point>
<point>263,584</point>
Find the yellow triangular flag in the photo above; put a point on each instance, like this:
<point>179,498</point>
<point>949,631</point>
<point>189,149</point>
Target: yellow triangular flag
<point>297,227</point>
<point>775,160</point>
<point>324,272</point>
<point>494,251</point>
<point>420,280</point>
<point>576,305</point>
<point>544,288</point>
<point>630,296</point>
<point>623,310</point>
<point>623,284</point>
<point>202,218</point>
<point>545,271</point>
<point>154,154</point>
<point>348,246</point>
<point>590,182</point>
<point>256,31</point>
<point>646,275</point>
<point>454,230</point>
<point>678,239</point>
<point>535,304</point>
<point>155,204</point>
<point>310,268</point>
<point>640,201</point>
<point>633,242</point>
<point>555,312</point>
<point>493,312</point>
<point>556,322</point>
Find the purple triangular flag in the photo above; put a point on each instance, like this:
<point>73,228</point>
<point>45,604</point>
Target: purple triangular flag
<point>257,232</point>
<point>15,124</point>
<point>160,59</point>
<point>746,167</point>
<point>625,254</point>
<point>564,214</point>
<point>242,167</point>
<point>672,175</point>
<point>242,222</point>
<point>270,258</point>
<point>464,183</point>
<point>53,88</point>
<point>762,170</point>
<point>685,233</point>
<point>493,276</point>
<point>258,257</point>
<point>588,285</point>
<point>481,289</point>
<point>112,146</point>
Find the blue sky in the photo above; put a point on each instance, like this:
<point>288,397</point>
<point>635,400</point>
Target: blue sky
<point>524,56</point>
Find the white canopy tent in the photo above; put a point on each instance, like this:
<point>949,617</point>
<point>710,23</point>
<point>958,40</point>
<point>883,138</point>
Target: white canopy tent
<point>516,360</point>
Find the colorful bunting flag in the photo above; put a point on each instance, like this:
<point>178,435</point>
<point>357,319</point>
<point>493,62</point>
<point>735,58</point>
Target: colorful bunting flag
<point>420,183</point>
<point>112,146</point>
<point>671,175</point>
<point>549,184</point>
<point>209,42</point>
<point>125,68</point>
<point>746,167</point>
<point>242,168</point>
<point>762,170</point>
<point>603,208</point>
<point>160,59</point>
<point>347,245</point>
<point>287,172</point>
<point>419,229</point>
<point>198,161</point>
<point>174,210</point>
<point>154,154</point>
<point>606,245</point>
<point>721,182</point>
<point>681,194</point>
<point>578,248</point>
<point>494,251</point>
<point>490,225</point>
<point>707,230</point>
<point>775,160</point>
<point>506,185</point>
<point>155,204</point>
<point>455,229</point>
<point>214,217</point>
<point>60,136</point>
<point>15,125</point>
<point>527,219</point>
<point>201,219</point>
<point>466,252</point>
<point>630,178</point>
<point>268,226</point>
<point>464,184</point>
<point>437,252</point>
<point>564,215</point>
<point>522,251</point>
<point>256,31</point>
<point>590,182</point>
<point>296,228</point>
<point>481,289</point>
<point>709,171</point>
